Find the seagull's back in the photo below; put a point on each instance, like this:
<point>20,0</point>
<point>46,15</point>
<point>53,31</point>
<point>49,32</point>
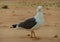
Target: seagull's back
<point>28,24</point>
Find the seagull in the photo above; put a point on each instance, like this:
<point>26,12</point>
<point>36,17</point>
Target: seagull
<point>32,23</point>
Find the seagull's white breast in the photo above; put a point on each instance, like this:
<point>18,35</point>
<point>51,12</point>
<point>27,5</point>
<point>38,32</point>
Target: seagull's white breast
<point>39,19</point>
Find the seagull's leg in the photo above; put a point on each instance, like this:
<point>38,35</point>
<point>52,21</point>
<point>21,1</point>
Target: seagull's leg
<point>33,34</point>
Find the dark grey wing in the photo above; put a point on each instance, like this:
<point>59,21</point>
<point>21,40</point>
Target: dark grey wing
<point>28,24</point>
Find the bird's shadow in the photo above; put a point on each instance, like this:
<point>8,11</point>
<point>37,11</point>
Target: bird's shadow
<point>36,39</point>
<point>29,37</point>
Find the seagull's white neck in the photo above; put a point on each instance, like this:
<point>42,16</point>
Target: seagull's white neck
<point>39,15</point>
<point>39,18</point>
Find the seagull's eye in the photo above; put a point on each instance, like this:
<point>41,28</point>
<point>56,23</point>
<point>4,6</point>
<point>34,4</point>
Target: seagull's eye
<point>39,10</point>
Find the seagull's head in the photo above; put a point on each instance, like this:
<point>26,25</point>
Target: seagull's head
<point>39,8</point>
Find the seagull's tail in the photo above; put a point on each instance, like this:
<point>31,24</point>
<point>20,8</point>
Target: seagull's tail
<point>14,26</point>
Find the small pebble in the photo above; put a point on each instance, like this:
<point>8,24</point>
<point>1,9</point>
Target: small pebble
<point>28,35</point>
<point>55,36</point>
<point>5,7</point>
